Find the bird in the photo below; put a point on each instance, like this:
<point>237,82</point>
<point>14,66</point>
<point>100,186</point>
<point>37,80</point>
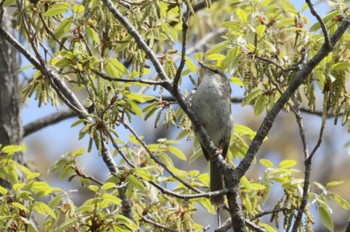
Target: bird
<point>212,105</point>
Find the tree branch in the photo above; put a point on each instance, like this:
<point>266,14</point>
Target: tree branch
<point>323,26</point>
<point>109,78</point>
<point>300,76</point>
<point>183,51</point>
<point>47,121</point>
<point>60,87</point>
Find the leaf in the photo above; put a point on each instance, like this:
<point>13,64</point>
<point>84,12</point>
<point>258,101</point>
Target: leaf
<point>241,15</point>
<point>11,149</point>
<point>251,96</point>
<point>217,48</point>
<point>265,162</point>
<point>56,9</point>
<point>287,163</point>
<point>334,183</point>
<point>134,182</point>
<point>325,218</point>
<point>190,65</point>
<point>341,201</point>
<point>3,191</point>
<point>19,206</point>
<point>237,81</point>
<point>177,152</point>
<point>79,152</point>
<point>260,30</point>
<point>8,3</point>
<point>63,28</point>
<point>93,34</point>
<point>108,185</point>
<point>43,209</point>
<point>112,199</point>
<point>341,66</point>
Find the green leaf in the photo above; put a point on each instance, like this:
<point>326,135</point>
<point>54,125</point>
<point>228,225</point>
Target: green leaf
<point>8,3</point>
<point>260,30</point>
<point>33,175</point>
<point>251,96</point>
<point>257,186</point>
<point>142,98</point>
<point>237,81</point>
<point>190,65</point>
<point>217,48</point>
<point>63,28</point>
<point>241,15</point>
<point>56,9</point>
<point>267,163</point>
<point>11,149</point>
<point>341,66</point>
<point>93,188</point>
<point>340,200</point>
<point>134,182</point>
<point>93,34</point>
<point>3,191</point>
<point>19,206</point>
<point>198,56</point>
<point>325,218</point>
<point>112,199</point>
<point>205,202</point>
<point>287,163</point>
<point>334,183</point>
<point>268,228</point>
<point>177,152</point>
<point>108,185</point>
<point>126,221</point>
<point>79,152</point>
<point>43,209</point>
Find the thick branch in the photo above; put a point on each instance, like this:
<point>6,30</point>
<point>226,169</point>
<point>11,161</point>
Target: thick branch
<point>46,121</point>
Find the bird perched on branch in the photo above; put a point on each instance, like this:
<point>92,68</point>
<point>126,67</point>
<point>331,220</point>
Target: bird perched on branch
<point>212,104</point>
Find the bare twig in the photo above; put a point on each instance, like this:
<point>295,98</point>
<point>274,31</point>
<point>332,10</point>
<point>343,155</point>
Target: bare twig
<point>46,121</point>
<point>307,172</point>
<point>155,224</point>
<point>183,51</point>
<point>300,123</point>
<point>259,215</point>
<point>227,225</point>
<point>109,78</point>
<point>323,26</point>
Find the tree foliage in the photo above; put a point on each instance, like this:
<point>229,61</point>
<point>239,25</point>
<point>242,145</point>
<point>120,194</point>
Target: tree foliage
<point>135,61</point>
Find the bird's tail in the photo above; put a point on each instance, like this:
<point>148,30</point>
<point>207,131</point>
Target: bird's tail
<point>216,183</point>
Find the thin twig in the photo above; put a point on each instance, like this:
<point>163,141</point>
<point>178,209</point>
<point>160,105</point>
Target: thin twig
<point>307,172</point>
<point>322,24</point>
<point>300,123</point>
<point>183,51</point>
<point>109,78</point>
<point>156,224</point>
<point>259,215</point>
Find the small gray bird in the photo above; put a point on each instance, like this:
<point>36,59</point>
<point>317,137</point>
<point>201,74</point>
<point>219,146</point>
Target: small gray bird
<point>212,105</point>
